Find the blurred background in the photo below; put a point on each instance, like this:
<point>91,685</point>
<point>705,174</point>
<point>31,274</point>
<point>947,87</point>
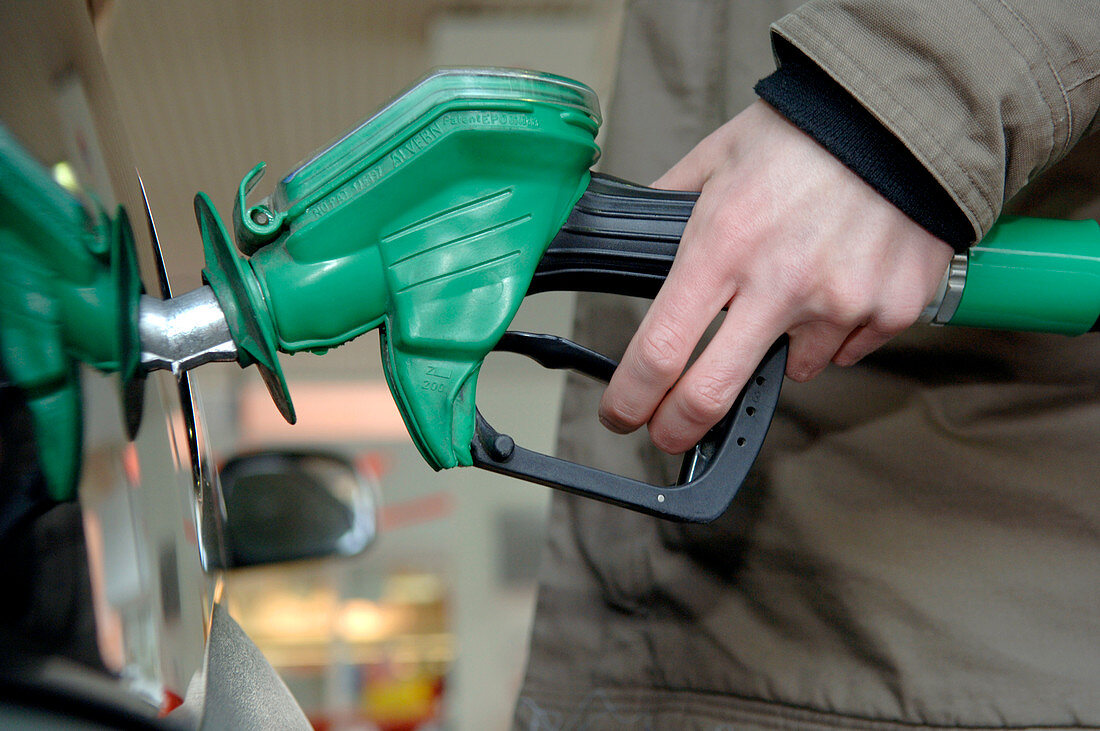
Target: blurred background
<point>428,629</point>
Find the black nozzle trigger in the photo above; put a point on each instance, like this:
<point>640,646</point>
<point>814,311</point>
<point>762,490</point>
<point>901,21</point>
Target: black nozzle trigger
<point>711,473</point>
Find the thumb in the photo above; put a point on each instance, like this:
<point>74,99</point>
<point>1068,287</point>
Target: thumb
<point>692,170</point>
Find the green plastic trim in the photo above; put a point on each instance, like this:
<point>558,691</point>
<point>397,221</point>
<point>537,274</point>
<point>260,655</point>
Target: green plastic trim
<point>246,313</point>
<point>1034,274</point>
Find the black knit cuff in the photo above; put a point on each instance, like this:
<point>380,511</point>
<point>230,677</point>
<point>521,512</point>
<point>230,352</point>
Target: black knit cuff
<point>810,98</point>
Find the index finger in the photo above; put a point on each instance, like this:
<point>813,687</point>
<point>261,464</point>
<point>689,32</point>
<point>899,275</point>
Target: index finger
<point>709,388</point>
<point>692,295</point>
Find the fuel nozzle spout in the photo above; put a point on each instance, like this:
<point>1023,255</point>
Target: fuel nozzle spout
<point>184,332</point>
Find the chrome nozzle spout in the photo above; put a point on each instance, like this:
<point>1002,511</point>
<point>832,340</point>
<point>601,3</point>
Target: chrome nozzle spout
<point>183,332</point>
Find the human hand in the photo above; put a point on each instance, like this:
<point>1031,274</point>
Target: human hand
<point>789,240</point>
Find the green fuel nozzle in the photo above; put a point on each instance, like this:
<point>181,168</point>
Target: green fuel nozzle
<point>69,293</point>
<point>427,221</point>
<point>431,221</point>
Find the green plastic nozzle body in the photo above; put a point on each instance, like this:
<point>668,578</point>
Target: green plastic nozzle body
<point>428,222</point>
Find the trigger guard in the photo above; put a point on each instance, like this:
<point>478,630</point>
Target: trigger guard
<point>710,475</point>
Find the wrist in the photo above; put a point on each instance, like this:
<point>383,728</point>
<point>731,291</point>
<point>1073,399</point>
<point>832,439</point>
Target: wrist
<point>813,101</point>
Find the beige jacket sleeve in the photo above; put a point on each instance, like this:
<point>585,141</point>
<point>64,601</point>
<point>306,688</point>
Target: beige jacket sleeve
<point>986,93</point>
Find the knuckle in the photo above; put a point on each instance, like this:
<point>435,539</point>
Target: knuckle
<point>673,437</point>
<point>909,311</point>
<point>707,399</point>
<point>897,315</point>
<point>664,440</point>
<point>740,227</point>
<point>848,300</point>
<point>660,352</point>
<point>891,322</point>
<point>802,371</point>
<point>806,359</point>
<point>621,415</point>
<point>728,223</point>
<point>792,286</point>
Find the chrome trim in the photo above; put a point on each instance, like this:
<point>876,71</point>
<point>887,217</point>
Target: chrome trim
<point>945,303</point>
<point>181,333</point>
